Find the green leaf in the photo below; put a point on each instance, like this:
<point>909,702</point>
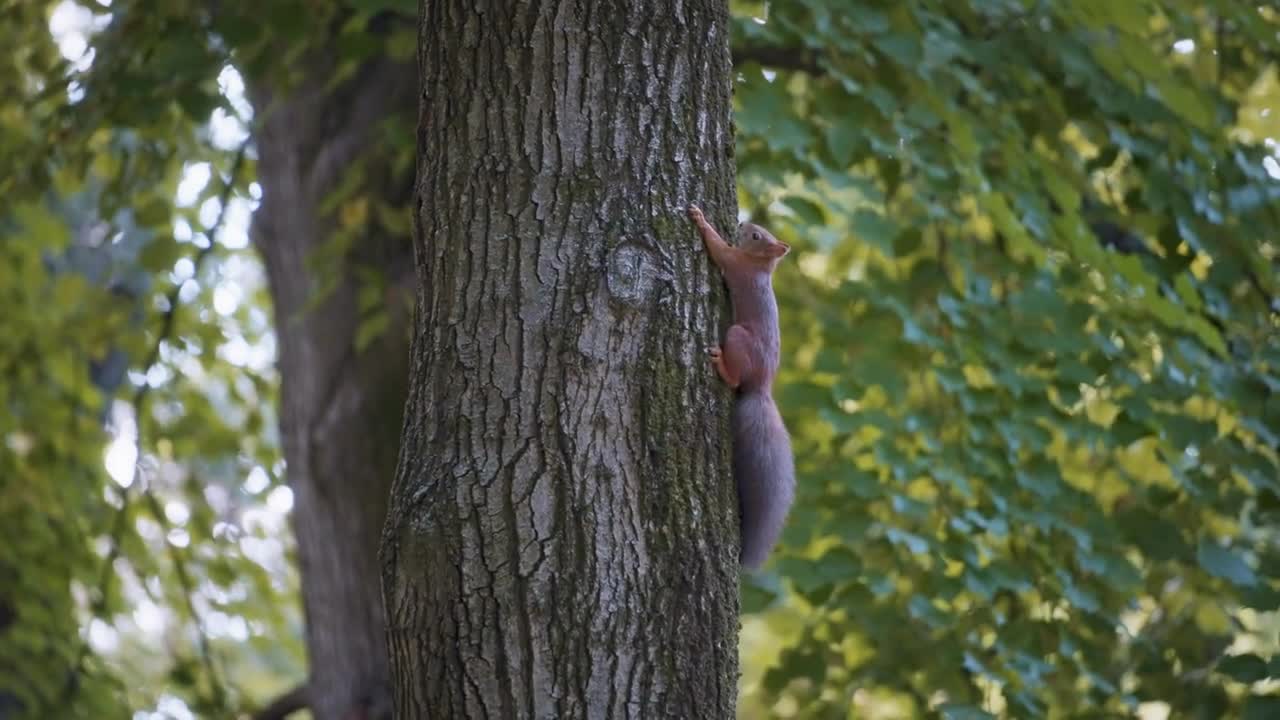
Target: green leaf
<point>809,212</point>
<point>1245,668</point>
<point>1262,707</point>
<point>371,328</point>
<point>956,711</point>
<point>765,112</point>
<point>1224,563</point>
<point>1262,598</point>
<point>42,226</point>
<point>760,593</point>
<point>160,255</point>
<point>874,228</point>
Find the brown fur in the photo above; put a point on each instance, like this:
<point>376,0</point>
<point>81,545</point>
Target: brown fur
<point>763,467</point>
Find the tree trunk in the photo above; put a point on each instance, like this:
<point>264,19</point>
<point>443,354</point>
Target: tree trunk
<point>340,409</point>
<point>562,535</point>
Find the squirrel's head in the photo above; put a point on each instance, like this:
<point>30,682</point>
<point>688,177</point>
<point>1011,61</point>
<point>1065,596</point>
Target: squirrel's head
<point>759,243</point>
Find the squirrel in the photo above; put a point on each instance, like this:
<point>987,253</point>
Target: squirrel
<point>763,467</point>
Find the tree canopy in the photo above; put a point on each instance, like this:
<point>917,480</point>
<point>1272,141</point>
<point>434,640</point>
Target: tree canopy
<point>1030,353</point>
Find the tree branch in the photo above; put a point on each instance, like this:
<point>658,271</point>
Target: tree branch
<point>120,521</point>
<point>285,705</point>
<point>783,58</point>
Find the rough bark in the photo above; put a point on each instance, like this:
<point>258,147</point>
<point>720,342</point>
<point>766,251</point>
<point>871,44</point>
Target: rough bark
<point>562,535</point>
<point>340,409</point>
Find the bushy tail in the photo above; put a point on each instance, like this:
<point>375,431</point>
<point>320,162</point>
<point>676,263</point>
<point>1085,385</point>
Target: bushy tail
<point>765,473</point>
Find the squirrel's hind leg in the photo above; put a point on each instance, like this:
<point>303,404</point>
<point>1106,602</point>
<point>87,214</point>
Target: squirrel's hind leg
<point>732,360</point>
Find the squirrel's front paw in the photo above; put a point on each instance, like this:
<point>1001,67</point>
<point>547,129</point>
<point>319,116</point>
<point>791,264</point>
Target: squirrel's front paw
<point>695,213</point>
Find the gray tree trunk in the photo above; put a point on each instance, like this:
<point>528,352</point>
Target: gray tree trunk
<point>562,535</point>
<point>340,409</point>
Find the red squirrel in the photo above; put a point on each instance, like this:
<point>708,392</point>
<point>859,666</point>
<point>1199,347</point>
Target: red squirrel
<point>763,467</point>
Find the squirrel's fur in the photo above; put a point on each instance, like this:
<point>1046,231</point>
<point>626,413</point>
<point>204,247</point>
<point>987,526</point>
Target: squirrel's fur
<point>763,467</point>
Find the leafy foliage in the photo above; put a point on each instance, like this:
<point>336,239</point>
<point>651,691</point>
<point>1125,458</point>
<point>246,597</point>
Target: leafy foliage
<point>131,314</point>
<point>1032,353</point>
<point>136,326</point>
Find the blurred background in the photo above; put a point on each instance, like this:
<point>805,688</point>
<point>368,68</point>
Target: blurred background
<point>1030,353</point>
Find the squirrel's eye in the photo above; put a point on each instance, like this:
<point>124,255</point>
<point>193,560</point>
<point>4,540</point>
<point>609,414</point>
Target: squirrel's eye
<point>755,236</point>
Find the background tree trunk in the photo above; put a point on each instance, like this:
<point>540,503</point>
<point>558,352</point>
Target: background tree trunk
<point>562,536</point>
<point>340,409</point>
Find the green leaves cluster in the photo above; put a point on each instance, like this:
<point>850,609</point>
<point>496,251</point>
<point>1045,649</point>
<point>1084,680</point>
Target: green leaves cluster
<point>116,309</point>
<point>108,322</point>
<point>1031,359</point>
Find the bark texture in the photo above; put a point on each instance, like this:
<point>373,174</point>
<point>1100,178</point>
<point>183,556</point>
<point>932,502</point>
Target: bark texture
<point>562,535</point>
<point>340,409</point>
